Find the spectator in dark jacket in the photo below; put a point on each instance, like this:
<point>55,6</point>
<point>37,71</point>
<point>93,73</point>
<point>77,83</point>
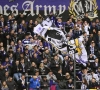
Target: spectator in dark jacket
<point>2,72</point>
<point>70,84</point>
<point>22,83</point>
<point>44,83</point>
<point>93,84</point>
<point>43,70</point>
<point>16,70</point>
<point>11,84</point>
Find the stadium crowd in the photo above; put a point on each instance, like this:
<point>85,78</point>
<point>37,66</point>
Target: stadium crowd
<point>41,66</point>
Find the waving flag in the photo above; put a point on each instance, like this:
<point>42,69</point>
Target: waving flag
<point>53,35</point>
<point>78,50</point>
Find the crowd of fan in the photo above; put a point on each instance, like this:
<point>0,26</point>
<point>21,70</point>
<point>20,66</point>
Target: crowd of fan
<point>46,65</point>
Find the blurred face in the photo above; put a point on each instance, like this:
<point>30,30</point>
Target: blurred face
<point>42,65</point>
<point>23,22</point>
<point>35,55</point>
<point>6,27</point>
<point>9,17</point>
<point>66,58</point>
<point>93,23</point>
<point>47,51</point>
<point>36,22</point>
<point>85,23</point>
<point>70,20</point>
<point>1,44</point>
<point>59,20</point>
<point>45,60</point>
<point>12,43</point>
<point>93,80</point>
<point>86,14</point>
<point>2,48</point>
<point>4,83</point>
<point>56,57</point>
<point>71,16</point>
<point>97,20</point>
<point>85,71</point>
<point>12,32</point>
<point>96,60</point>
<point>22,61</point>
<point>20,30</point>
<point>70,80</point>
<point>93,44</point>
<point>50,73</point>
<point>21,15</point>
<point>33,64</point>
<point>1,67</point>
<point>6,59</point>
<point>39,15</point>
<point>10,78</point>
<point>31,21</point>
<point>2,19</point>
<point>99,70</point>
<point>37,73</point>
<point>23,77</point>
<point>11,55</point>
<point>98,32</point>
<point>19,42</point>
<point>6,74</point>
<point>67,74</point>
<point>17,62</point>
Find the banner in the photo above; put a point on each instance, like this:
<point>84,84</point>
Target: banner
<point>75,7</point>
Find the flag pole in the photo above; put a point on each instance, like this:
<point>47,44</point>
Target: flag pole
<point>74,72</point>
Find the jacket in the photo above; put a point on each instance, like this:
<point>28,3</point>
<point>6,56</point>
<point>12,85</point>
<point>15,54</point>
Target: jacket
<point>34,83</point>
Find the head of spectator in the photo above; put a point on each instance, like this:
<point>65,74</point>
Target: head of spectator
<point>4,86</point>
<point>1,44</point>
<point>36,22</point>
<point>66,58</point>
<point>50,73</point>
<point>84,81</point>
<point>37,73</point>
<point>33,64</point>
<point>9,17</point>
<point>67,76</point>
<point>21,15</point>
<point>41,65</point>
<point>22,61</point>
<point>6,75</point>
<point>23,77</point>
<point>86,15</point>
<point>84,71</point>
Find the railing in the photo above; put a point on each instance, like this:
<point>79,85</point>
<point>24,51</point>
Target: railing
<point>27,76</point>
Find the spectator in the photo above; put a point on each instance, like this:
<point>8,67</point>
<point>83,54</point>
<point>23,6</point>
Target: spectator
<point>33,69</point>
<point>22,83</point>
<point>4,86</point>
<point>84,85</point>
<point>39,19</point>
<point>11,84</point>
<point>51,77</point>
<point>70,84</point>
<point>42,69</point>
<point>2,72</point>
<point>44,83</point>
<point>34,83</point>
<point>16,70</point>
<point>55,64</point>
<point>93,84</point>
